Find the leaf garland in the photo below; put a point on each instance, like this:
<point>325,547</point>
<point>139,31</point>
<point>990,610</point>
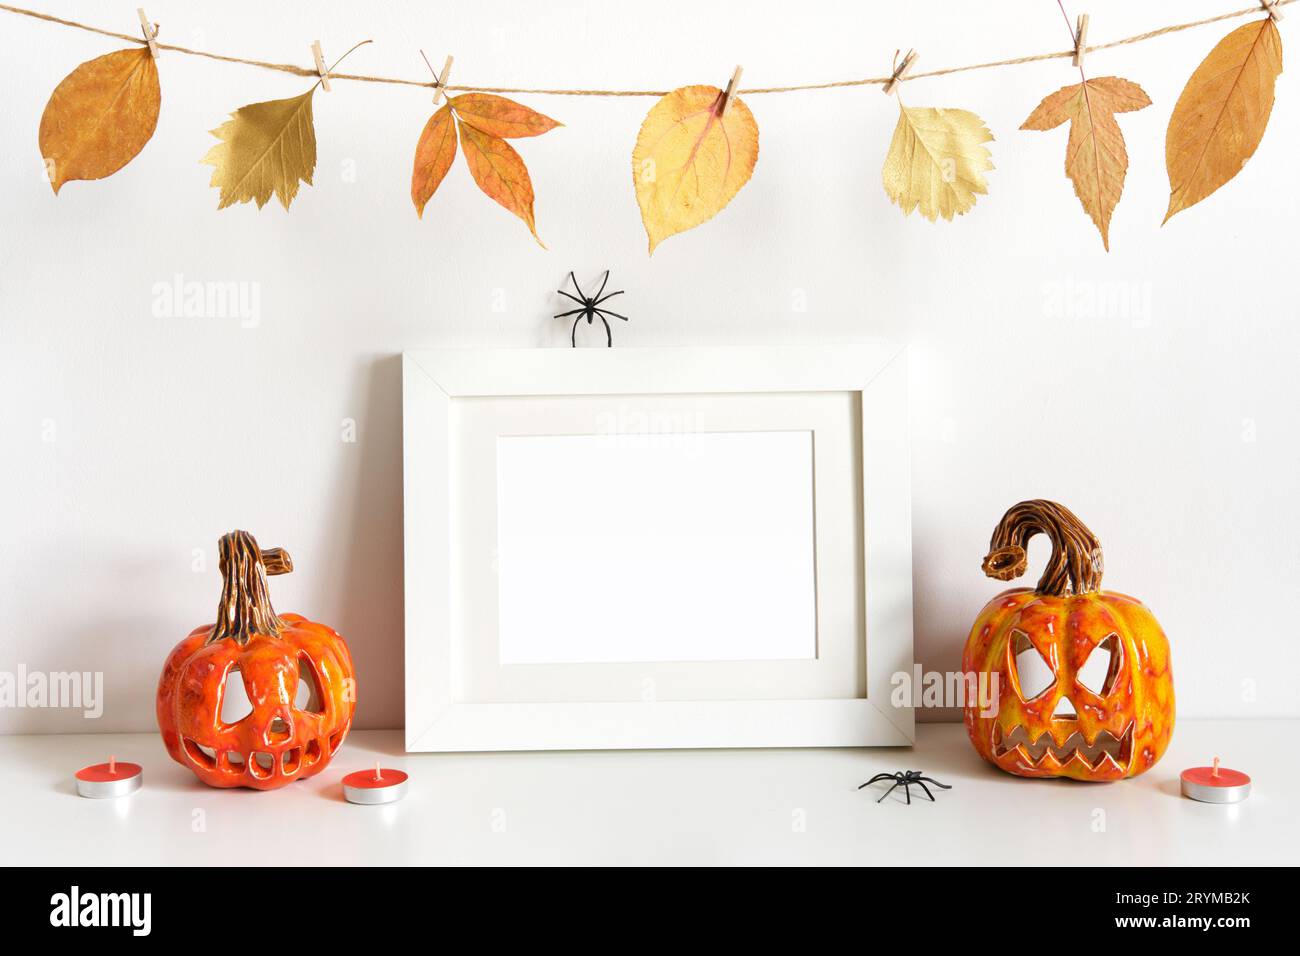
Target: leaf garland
<point>483,122</point>
<point>691,158</point>
<point>1096,160</point>
<point>100,116</point>
<point>936,161</point>
<point>1222,113</point>
<point>266,149</point>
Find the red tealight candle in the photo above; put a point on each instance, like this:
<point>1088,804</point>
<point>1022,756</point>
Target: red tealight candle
<point>381,785</point>
<point>113,779</point>
<point>1215,784</point>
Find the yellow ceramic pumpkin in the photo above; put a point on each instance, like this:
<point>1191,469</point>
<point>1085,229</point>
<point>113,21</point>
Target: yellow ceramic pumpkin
<point>1116,725</point>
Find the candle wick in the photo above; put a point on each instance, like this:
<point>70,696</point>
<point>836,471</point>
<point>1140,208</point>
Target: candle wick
<point>112,764</point>
<point>1215,771</point>
<point>379,774</point>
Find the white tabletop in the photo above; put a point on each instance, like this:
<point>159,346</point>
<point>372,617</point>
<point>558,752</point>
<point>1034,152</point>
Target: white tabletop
<point>688,807</point>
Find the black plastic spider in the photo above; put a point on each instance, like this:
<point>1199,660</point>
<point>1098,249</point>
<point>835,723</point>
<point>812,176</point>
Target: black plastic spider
<point>589,310</point>
<point>905,780</point>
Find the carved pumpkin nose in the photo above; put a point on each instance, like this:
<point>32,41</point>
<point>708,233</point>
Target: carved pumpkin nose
<point>279,729</point>
<point>1064,710</point>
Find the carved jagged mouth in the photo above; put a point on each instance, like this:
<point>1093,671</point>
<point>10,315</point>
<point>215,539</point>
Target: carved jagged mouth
<point>260,764</point>
<point>1105,750</point>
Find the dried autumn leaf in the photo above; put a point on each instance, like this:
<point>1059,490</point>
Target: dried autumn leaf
<point>434,154</point>
<point>1221,114</point>
<point>936,160</point>
<point>498,116</point>
<point>100,116</point>
<point>1095,158</point>
<point>266,148</point>
<point>500,173</point>
<point>689,162</point>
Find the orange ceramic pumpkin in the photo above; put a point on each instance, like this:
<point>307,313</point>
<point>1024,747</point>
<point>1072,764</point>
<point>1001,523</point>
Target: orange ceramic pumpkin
<point>297,676</point>
<point>1113,724</point>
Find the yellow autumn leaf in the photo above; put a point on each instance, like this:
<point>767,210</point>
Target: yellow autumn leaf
<point>434,154</point>
<point>500,173</point>
<point>100,116</point>
<point>266,148</point>
<point>689,162</point>
<point>936,160</point>
<point>1096,160</point>
<point>1221,114</point>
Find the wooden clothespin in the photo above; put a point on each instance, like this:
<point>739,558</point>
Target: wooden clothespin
<point>439,79</point>
<point>733,85</point>
<point>320,65</point>
<point>901,70</point>
<point>1272,9</point>
<point>150,31</point>
<point>1080,39</point>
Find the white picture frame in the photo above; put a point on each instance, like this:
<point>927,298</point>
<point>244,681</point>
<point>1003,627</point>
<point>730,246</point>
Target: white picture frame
<point>443,391</point>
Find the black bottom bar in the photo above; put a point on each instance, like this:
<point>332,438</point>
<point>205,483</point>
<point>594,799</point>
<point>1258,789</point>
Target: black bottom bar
<point>348,904</point>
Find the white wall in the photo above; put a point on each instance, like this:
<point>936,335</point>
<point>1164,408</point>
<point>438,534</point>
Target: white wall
<point>1171,429</point>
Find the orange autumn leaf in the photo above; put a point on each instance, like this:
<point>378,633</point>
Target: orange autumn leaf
<point>100,116</point>
<point>498,116</point>
<point>482,122</point>
<point>434,154</point>
<point>500,173</point>
<point>690,160</point>
<point>1096,160</point>
<point>1222,113</point>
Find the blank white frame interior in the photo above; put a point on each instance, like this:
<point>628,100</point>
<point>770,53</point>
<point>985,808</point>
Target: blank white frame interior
<point>714,562</point>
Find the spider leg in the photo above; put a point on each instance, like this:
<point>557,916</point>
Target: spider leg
<point>926,789</point>
<point>907,789</point>
<point>609,336</point>
<point>946,786</point>
<point>565,315</point>
<point>889,791</point>
<point>614,314</point>
<point>576,286</point>
<point>610,296</point>
<point>602,285</point>
<point>581,302</point>
<point>879,776</point>
<point>573,336</point>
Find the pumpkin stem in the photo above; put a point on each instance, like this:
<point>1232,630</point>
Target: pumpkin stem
<point>245,607</point>
<point>1075,566</point>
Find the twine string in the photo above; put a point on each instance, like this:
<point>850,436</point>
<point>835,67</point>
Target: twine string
<point>294,70</point>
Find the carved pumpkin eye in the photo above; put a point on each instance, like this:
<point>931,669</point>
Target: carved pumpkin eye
<point>1031,672</point>
<point>1099,671</point>
<point>308,696</point>
<point>235,705</point>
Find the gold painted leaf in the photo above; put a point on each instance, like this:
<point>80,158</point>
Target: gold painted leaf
<point>100,116</point>
<point>1096,160</point>
<point>1222,113</point>
<point>499,172</point>
<point>689,162</point>
<point>266,148</point>
<point>498,116</point>
<point>434,154</point>
<point>936,161</point>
